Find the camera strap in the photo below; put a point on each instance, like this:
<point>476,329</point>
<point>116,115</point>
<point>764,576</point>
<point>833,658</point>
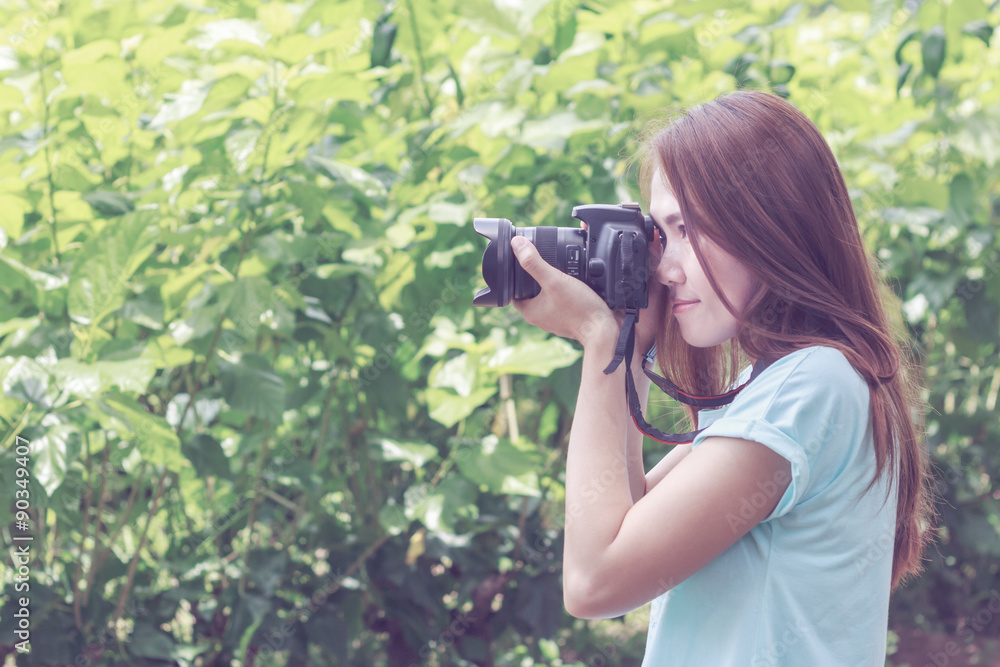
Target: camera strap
<point>626,346</point>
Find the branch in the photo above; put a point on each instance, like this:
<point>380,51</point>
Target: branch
<point>365,555</point>
<point>96,564</point>
<point>48,156</point>
<point>323,432</point>
<point>133,564</point>
<point>420,57</point>
<point>87,500</point>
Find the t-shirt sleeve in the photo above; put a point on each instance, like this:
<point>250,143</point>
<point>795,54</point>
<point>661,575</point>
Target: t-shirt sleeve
<point>798,405</point>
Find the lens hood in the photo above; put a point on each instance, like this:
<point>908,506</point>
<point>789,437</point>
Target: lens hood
<point>498,261</point>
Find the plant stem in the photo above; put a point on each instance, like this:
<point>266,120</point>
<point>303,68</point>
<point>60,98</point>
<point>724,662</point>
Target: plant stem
<point>258,482</point>
<point>122,520</point>
<point>133,564</point>
<point>420,57</point>
<point>323,432</point>
<point>87,500</point>
<point>48,156</point>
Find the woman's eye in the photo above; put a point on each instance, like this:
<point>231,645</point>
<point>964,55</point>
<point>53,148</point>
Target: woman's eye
<point>682,231</point>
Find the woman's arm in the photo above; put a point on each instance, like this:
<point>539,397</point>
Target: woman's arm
<point>620,554</point>
<point>666,464</point>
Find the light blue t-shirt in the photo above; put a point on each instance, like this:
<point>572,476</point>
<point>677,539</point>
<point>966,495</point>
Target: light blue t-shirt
<point>809,585</point>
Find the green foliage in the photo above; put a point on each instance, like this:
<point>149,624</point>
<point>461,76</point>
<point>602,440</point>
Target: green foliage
<point>267,426</point>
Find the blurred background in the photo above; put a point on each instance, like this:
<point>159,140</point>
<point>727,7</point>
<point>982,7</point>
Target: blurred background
<point>263,423</point>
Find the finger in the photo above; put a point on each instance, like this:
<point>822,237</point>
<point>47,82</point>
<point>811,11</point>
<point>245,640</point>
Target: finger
<point>655,249</point>
<point>656,244</point>
<point>529,259</point>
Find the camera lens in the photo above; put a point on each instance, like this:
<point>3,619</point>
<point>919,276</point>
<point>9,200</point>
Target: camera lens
<point>562,247</point>
<point>498,262</point>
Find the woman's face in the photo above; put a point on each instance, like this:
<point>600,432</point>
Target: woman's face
<point>703,320</point>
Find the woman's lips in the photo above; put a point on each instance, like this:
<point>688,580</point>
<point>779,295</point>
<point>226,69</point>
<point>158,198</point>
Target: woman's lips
<point>684,306</point>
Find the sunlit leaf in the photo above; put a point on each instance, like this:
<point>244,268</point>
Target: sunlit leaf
<point>532,357</point>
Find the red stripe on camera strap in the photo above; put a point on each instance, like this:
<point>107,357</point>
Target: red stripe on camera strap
<point>624,350</point>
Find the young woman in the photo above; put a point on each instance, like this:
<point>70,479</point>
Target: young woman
<point>776,535</point>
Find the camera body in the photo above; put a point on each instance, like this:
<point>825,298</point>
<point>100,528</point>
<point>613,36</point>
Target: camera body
<point>611,255</point>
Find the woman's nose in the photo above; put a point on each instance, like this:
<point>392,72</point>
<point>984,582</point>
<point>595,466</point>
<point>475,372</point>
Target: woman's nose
<point>669,269</point>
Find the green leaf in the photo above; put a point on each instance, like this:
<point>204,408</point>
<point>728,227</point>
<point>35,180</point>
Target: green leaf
<point>12,211</point>
<point>91,380</point>
<point>248,298</point>
<point>206,454</point>
<point>180,105</point>
<point>151,642</point>
<point>330,632</point>
<point>552,132</point>
<point>979,28</point>
<point>440,507</point>
<point>157,443</point>
<point>355,177</point>
<point>538,606</point>
<point>449,408</point>
<point>532,357</point>
<point>248,614</point>
<point>382,42</point>
<point>27,380</point>
<point>565,33</point>
<point>982,314</point>
<point>458,373</point>
<point>42,280</point>
<point>932,49</point>
<point>145,309</point>
<point>781,72</point>
<point>961,200</point>
<point>52,453</point>
<point>109,204</point>
<point>99,279</point>
<point>976,531</point>
<point>266,568</point>
<point>251,385</point>
<point>936,288</point>
<point>904,72</point>
<point>415,453</point>
<point>919,219</point>
<point>501,466</point>
<point>906,37</point>
<point>393,519</point>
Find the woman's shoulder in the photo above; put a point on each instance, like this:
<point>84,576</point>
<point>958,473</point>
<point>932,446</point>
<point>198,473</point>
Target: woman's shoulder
<point>822,368</point>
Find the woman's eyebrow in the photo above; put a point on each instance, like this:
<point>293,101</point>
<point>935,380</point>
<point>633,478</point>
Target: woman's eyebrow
<point>671,219</point>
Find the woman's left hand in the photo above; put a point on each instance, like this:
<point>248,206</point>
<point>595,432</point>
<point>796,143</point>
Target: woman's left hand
<point>566,306</point>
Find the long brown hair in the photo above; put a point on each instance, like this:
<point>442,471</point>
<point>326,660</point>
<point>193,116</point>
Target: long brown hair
<point>753,174</point>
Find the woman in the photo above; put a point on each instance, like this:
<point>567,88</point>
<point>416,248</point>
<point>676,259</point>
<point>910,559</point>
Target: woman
<point>775,537</point>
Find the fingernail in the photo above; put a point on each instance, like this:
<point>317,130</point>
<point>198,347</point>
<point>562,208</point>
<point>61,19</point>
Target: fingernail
<point>518,242</point>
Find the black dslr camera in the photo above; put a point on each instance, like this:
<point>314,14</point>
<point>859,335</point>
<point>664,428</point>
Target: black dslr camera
<point>610,255</point>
